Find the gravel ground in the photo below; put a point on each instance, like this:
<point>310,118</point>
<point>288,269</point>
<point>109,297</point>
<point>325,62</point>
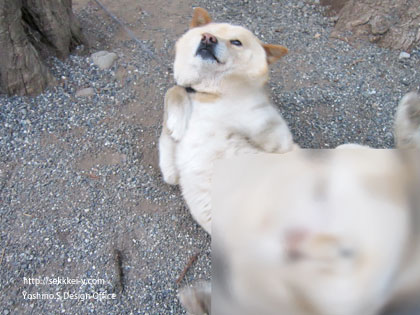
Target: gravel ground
<point>81,195</point>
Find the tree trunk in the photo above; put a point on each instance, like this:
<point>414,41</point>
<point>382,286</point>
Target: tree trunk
<point>30,29</point>
<point>390,23</point>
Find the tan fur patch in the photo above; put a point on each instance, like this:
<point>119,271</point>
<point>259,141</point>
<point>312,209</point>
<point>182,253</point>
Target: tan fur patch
<point>391,187</point>
<point>205,97</point>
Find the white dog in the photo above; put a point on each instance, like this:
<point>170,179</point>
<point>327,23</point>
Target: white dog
<point>218,109</point>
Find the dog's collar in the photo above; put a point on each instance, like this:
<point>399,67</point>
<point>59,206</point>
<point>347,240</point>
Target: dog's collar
<point>189,89</point>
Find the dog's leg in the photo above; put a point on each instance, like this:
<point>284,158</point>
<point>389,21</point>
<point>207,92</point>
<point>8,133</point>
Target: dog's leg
<point>407,122</point>
<point>276,138</point>
<point>175,121</point>
<point>167,147</point>
<point>177,112</point>
<point>270,131</point>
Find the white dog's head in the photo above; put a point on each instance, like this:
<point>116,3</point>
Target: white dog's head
<point>211,57</point>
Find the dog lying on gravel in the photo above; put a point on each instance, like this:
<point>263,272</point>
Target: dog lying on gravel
<point>340,236</point>
<point>218,109</point>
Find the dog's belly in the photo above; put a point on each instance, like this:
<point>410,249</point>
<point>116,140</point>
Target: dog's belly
<point>195,157</point>
<point>199,149</point>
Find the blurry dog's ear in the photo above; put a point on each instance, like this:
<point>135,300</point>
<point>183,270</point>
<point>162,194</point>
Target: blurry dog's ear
<point>274,52</point>
<point>200,17</point>
<point>407,122</point>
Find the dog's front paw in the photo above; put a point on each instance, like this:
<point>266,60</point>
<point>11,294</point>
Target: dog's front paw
<point>172,178</point>
<point>277,142</point>
<point>167,148</point>
<point>177,112</point>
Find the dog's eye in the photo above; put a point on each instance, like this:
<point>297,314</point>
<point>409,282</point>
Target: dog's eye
<point>236,42</point>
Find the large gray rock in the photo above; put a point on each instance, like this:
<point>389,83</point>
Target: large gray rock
<point>104,59</point>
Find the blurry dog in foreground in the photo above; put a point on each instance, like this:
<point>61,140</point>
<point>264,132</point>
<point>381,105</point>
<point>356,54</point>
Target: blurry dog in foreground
<point>317,232</point>
<point>218,109</point>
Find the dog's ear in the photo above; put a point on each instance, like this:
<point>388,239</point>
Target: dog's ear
<point>274,52</point>
<point>407,122</point>
<point>200,17</point>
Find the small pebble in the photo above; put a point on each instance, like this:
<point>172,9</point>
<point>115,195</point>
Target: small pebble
<point>404,55</point>
<point>104,59</point>
<point>85,92</point>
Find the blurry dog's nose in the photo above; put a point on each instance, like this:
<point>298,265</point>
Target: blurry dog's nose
<point>208,39</point>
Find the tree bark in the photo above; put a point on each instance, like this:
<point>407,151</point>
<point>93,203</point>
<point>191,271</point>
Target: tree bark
<point>30,30</point>
<point>392,24</point>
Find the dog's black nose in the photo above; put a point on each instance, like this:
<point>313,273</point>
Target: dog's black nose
<point>207,47</point>
<point>208,39</point>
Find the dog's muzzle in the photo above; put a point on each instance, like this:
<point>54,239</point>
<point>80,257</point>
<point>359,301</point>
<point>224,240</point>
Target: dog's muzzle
<point>207,47</point>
